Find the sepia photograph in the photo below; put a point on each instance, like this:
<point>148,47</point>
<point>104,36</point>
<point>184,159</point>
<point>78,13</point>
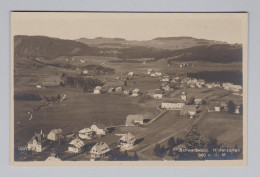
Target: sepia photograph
<point>128,89</point>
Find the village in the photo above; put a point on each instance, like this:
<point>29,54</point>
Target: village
<point>175,93</point>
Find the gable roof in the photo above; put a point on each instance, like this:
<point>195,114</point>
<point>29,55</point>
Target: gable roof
<point>56,131</point>
<point>128,138</point>
<point>101,148</point>
<point>78,143</point>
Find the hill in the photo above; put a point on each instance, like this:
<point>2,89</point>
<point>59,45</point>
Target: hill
<point>49,48</point>
<point>219,53</point>
<point>170,43</point>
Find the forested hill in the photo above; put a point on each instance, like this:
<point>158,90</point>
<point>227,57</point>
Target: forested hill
<point>220,53</point>
<point>49,48</point>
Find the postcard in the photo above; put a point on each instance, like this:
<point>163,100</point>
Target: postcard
<point>128,89</point>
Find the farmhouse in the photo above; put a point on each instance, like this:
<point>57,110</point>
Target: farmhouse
<point>98,131</point>
<point>38,86</point>
<point>189,110</point>
<point>97,90</point>
<point>158,94</point>
<point>55,135</point>
<point>118,89</point>
<point>131,120</point>
<point>135,92</point>
<point>85,72</point>
<point>166,88</point>
<point>111,89</point>
<point>172,104</point>
<point>149,71</point>
<point>85,133</point>
<point>165,79</point>
<point>36,143</point>
<point>76,145</point>
<point>197,101</point>
<point>130,74</point>
<point>127,92</point>
<point>99,150</point>
<point>126,142</point>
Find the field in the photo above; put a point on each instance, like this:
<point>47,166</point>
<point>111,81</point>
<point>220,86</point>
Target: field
<point>80,110</point>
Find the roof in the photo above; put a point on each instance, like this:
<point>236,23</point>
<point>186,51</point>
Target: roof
<point>128,137</point>
<point>215,104</point>
<point>85,130</point>
<point>98,87</point>
<point>158,91</point>
<point>56,131</point>
<point>77,143</point>
<point>101,148</point>
<point>188,108</point>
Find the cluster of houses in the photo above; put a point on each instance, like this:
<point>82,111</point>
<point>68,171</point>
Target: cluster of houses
<point>38,142</point>
<point>135,92</point>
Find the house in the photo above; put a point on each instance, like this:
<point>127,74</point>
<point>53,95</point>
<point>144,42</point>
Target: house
<point>85,72</point>
<point>38,86</point>
<point>99,150</point>
<point>98,131</point>
<point>135,92</point>
<point>165,79</point>
<point>237,109</point>
<point>130,74</point>
<point>166,88</point>
<point>127,141</point>
<point>197,101</point>
<point>85,133</point>
<point>158,94</point>
<point>158,73</point>
<point>111,89</point>
<point>209,85</point>
<point>55,135</point>
<point>97,90</point>
<point>189,110</point>
<point>75,145</point>
<point>149,71</point>
<point>127,92</point>
<point>153,75</point>
<point>131,120</point>
<point>36,143</point>
<point>118,89</point>
<point>172,104</point>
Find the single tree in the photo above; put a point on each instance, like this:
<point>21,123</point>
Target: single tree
<point>231,107</point>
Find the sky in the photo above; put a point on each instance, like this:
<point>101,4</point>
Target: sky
<point>226,27</point>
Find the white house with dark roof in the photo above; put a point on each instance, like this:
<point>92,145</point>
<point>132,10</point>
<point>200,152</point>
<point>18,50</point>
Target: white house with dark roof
<point>76,145</point>
<point>85,133</point>
<point>158,94</point>
<point>127,141</point>
<point>55,135</point>
<point>97,90</point>
<point>99,150</point>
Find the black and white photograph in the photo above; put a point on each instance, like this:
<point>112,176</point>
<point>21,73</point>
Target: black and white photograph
<point>120,88</point>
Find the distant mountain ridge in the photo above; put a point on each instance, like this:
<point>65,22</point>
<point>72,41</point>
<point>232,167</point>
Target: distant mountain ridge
<point>170,43</point>
<point>47,47</point>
